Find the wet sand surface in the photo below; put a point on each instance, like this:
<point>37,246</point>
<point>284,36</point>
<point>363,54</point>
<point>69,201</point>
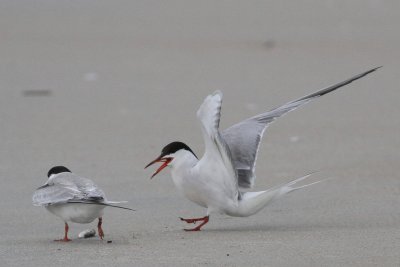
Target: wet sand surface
<point>102,86</point>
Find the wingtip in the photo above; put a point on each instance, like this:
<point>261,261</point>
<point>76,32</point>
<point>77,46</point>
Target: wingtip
<point>376,68</point>
<point>218,92</point>
<point>368,72</point>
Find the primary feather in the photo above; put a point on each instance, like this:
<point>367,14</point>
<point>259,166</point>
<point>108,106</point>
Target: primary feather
<point>243,138</point>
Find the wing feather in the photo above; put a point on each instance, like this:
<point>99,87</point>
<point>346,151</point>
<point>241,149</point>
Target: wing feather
<point>216,150</point>
<point>244,137</point>
<point>65,187</point>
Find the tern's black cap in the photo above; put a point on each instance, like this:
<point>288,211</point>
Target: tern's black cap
<point>175,146</point>
<point>56,170</point>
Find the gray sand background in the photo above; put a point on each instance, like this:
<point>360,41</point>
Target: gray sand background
<point>102,86</point>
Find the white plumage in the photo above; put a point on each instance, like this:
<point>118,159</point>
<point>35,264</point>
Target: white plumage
<point>216,181</point>
<point>72,198</point>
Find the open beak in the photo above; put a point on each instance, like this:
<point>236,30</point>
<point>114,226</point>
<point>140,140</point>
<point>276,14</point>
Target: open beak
<point>165,161</point>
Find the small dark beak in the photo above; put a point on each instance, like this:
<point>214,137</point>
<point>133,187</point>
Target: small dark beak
<point>165,161</point>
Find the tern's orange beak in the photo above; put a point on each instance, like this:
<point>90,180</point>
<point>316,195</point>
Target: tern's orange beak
<point>165,161</point>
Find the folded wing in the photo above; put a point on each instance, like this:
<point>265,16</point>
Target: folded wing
<point>67,187</point>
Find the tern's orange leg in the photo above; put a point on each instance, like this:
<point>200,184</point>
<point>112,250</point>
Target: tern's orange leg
<point>99,229</point>
<point>204,220</point>
<point>65,239</point>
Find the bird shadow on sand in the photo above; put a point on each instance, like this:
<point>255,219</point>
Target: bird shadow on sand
<point>288,227</point>
<point>75,241</point>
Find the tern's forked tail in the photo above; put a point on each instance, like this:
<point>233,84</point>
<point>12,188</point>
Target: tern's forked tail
<point>108,203</point>
<point>252,202</point>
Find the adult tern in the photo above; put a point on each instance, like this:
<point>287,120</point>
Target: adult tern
<point>217,180</point>
<point>73,199</point>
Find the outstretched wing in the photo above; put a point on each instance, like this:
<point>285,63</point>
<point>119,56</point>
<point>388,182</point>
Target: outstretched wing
<point>67,187</point>
<point>217,153</point>
<point>244,138</point>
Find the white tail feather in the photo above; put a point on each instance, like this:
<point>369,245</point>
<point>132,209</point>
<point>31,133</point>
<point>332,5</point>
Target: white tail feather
<point>253,202</point>
<point>289,187</point>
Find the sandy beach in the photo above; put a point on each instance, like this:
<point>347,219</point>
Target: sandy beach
<point>102,86</point>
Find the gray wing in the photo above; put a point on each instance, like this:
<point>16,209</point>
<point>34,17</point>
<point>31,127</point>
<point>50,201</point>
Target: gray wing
<point>244,138</point>
<point>67,187</point>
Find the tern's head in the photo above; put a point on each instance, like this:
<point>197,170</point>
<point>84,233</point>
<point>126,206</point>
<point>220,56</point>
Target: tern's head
<point>169,153</point>
<point>57,170</point>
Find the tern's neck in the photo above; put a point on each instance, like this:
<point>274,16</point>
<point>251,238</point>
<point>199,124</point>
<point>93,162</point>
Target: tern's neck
<point>181,169</point>
<point>183,160</point>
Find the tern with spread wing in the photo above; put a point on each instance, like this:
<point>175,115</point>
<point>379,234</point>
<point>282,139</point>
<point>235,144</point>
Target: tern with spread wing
<point>217,180</point>
<point>73,199</point>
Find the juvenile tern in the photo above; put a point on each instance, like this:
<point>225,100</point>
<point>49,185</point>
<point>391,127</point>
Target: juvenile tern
<point>216,181</point>
<point>73,199</point>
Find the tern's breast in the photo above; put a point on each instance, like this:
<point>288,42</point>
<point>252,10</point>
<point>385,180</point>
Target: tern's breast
<point>190,187</point>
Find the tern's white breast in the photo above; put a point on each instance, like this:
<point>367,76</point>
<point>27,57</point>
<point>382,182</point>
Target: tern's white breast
<point>77,212</point>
